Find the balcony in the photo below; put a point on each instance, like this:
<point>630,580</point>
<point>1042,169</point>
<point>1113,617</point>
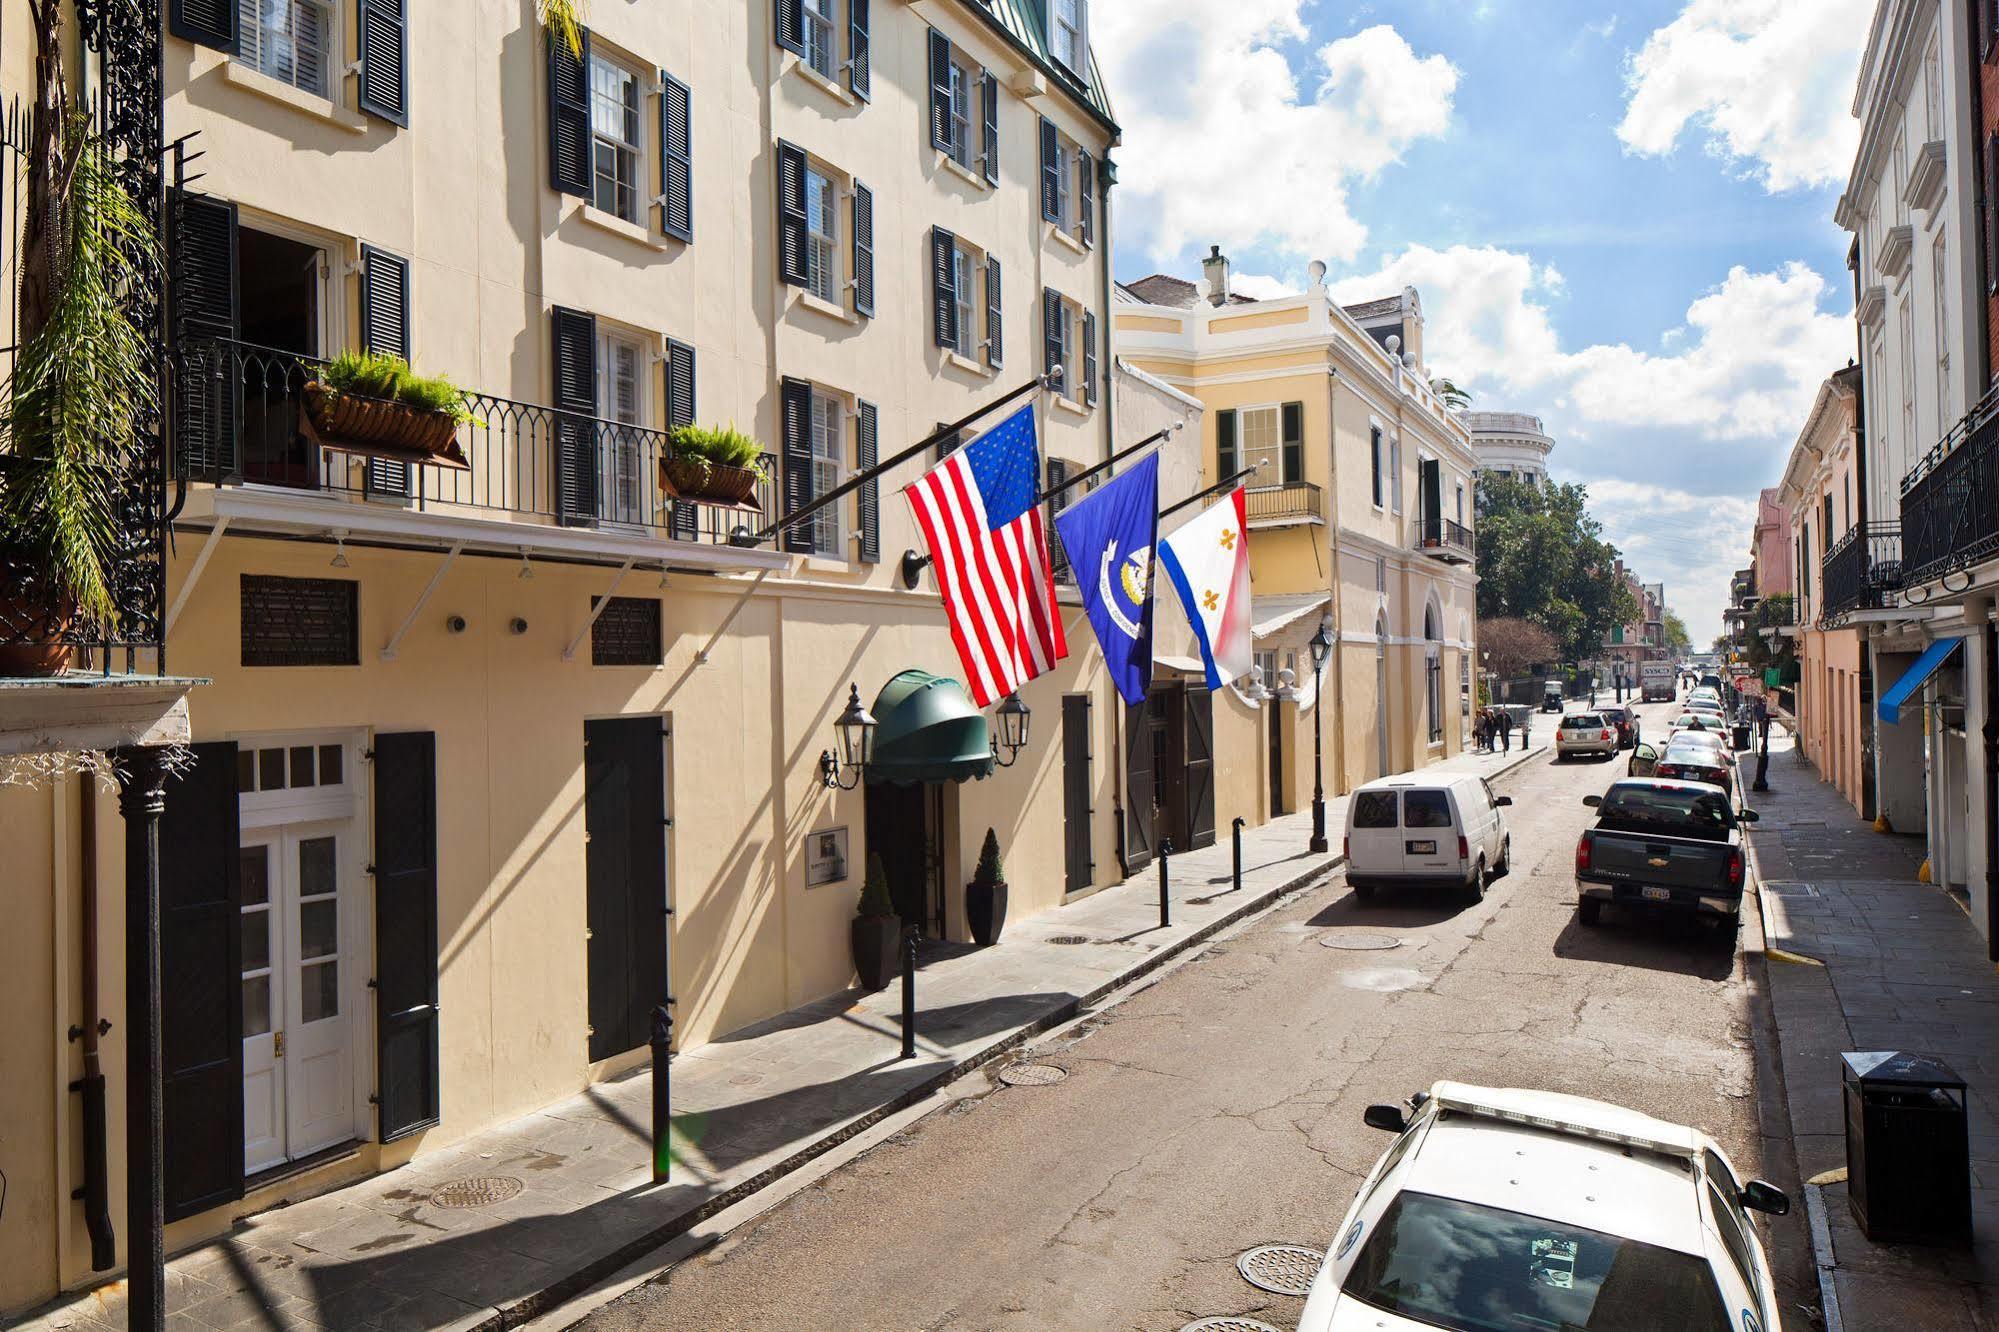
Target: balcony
<point>1284,505</point>
<point>1442,539</point>
<point>237,425</point>
<point>1859,572</point>
<point>1950,500</point>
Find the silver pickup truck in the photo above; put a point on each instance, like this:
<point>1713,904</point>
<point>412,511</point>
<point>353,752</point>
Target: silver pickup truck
<point>1662,845</point>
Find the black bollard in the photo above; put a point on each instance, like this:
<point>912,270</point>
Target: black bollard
<point>1165,906</point>
<point>909,995</point>
<point>1235,830</point>
<point>662,1095</point>
<point>1763,761</point>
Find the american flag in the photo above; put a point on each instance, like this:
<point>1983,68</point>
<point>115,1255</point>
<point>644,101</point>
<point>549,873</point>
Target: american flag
<point>990,550</point>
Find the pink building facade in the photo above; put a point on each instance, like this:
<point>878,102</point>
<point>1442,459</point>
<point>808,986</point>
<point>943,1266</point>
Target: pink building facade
<point>1771,545</point>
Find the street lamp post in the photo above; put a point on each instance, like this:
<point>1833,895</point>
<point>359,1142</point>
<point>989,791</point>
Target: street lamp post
<point>1322,647</point>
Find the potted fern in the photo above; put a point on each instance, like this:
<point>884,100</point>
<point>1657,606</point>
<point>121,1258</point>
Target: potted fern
<point>368,403</point>
<point>705,463</point>
<point>985,895</point>
<point>876,929</point>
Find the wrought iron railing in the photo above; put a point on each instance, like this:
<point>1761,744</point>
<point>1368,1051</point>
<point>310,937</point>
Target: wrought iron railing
<point>237,416</point>
<point>1448,540</point>
<point>1950,500</point>
<point>1291,500</point>
<point>1860,570</point>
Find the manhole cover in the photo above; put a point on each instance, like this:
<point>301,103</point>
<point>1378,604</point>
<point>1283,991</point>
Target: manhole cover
<point>1789,889</point>
<point>1281,1269</point>
<point>478,1191</point>
<point>1361,943</point>
<point>1070,939</point>
<point>1228,1323</point>
<point>1032,1075</point>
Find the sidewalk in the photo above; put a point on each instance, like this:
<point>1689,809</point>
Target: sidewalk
<point>1902,969</point>
<point>514,1221</point>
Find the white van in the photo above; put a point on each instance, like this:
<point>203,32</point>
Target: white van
<point>1417,831</point>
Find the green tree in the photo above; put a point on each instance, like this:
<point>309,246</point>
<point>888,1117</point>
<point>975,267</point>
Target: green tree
<point>1457,399</point>
<point>1771,612</point>
<point>1678,641</point>
<point>1542,558</point>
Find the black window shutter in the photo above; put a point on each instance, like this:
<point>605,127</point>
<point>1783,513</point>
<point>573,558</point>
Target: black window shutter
<point>1429,479</point>
<point>385,330</point>
<point>1051,339</point>
<point>791,213</point>
<point>864,251</point>
<point>989,107</point>
<point>203,257</point>
<point>676,159</point>
<point>943,289</point>
<point>679,374</point>
<point>1086,196</point>
<point>1200,760</point>
<point>1294,442</point>
<point>1058,558</point>
<point>795,406</point>
<point>1374,446</point>
<point>1225,463</point>
<point>948,445</point>
<point>940,90</point>
<point>867,500</point>
<point>859,75</point>
<point>1089,358</point>
<point>575,360</point>
<point>995,328</point>
<point>790,20</point>
<point>1051,173</point>
<point>569,115</point>
<point>201,985</point>
<point>1139,812</point>
<point>384,74</point>
<point>205,23</point>
<point>406,1090</point>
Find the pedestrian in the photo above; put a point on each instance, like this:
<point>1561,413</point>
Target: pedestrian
<point>1506,732</point>
<point>1478,731</point>
<point>1526,730</point>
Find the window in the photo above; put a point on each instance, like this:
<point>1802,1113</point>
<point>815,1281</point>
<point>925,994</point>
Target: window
<point>961,87</point>
<point>822,231</point>
<point>621,396</point>
<point>288,40</point>
<point>829,466</point>
<point>626,632</point>
<point>300,621</point>
<point>819,36</point>
<point>1064,155</point>
<point>963,265</point>
<point>1940,283</point>
<point>1461,504</point>
<point>1381,574</point>
<point>1068,34</point>
<point>615,138</point>
<point>1376,460</point>
<point>1395,473</point>
<point>1426,809</point>
<point>1907,321</point>
<point>1262,444</point>
<point>1375,809</point>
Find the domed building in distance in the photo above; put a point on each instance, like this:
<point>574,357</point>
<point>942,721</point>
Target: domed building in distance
<point>1511,444</point>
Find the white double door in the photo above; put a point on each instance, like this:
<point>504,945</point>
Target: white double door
<point>298,1060</point>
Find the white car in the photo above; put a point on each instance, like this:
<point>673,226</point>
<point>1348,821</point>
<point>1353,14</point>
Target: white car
<point>1414,832</point>
<point>1501,1209</point>
<point>1586,733</point>
<point>1709,697</point>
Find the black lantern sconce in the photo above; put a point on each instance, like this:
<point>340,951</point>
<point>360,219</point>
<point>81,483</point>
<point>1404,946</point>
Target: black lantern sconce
<point>856,726</point>
<point>1012,716</point>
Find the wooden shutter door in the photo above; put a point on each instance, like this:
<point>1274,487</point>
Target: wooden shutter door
<point>1051,338</point>
<point>791,214</point>
<point>859,72</point>
<point>795,426</point>
<point>995,326</point>
<point>940,91</point>
<point>569,143</point>
<point>1293,418</point>
<point>1225,454</point>
<point>405,983</point>
<point>385,330</point>
<point>1431,497</point>
<point>1089,358</point>
<point>1051,173</point>
<point>575,463</point>
<point>1086,197</point>
<point>679,375</point>
<point>867,499</point>
<point>1079,865</point>
<point>1138,761</point>
<point>989,126</point>
<point>1200,769</point>
<point>676,158</point>
<point>624,814</point>
<point>864,251</point>
<point>201,984</point>
<point>384,72</point>
<point>943,289</point>
<point>205,308</point>
<point>789,20</point>
<point>204,22</point>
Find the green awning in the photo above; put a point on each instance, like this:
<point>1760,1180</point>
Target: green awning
<point>928,731</point>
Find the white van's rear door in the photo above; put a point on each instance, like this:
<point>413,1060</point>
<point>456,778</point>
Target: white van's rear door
<point>1374,832</point>
<point>1430,830</point>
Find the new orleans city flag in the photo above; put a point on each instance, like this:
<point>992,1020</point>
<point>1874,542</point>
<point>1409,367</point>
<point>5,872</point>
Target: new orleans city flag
<point>1108,536</point>
<point>1208,561</point>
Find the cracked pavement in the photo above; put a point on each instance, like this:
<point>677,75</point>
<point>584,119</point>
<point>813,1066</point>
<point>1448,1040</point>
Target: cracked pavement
<point>1220,1107</point>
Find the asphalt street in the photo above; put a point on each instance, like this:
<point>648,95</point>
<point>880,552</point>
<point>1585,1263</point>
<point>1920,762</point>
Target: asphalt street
<point>1220,1108</point>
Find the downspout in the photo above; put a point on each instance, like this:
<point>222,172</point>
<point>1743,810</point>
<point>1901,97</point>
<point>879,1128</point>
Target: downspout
<point>1339,585</point>
<point>96,1191</point>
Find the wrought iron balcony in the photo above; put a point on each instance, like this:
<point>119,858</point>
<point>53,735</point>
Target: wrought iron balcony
<point>1950,500</point>
<point>1442,539</point>
<point>237,420</point>
<point>1860,570</point>
<point>1291,502</point>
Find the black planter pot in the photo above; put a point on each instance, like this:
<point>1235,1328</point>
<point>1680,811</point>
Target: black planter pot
<point>985,911</point>
<point>875,939</point>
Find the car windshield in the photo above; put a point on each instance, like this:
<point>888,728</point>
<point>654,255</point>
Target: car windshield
<point>1582,721</point>
<point>1374,809</point>
<point>1672,811</point>
<point>1426,809</point>
<point>1459,1265</point>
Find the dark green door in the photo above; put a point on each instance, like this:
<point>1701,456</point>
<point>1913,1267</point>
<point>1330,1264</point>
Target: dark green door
<point>624,817</point>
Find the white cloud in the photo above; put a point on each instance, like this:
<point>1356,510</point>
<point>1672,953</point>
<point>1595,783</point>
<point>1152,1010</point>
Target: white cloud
<point>1261,287</point>
<point>1693,543</point>
<point>1226,142</point>
<point>1769,81</point>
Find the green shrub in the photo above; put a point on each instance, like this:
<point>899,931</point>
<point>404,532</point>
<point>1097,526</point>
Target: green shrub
<point>875,899</point>
<point>371,375</point>
<point>726,446</point>
<point>990,870</point>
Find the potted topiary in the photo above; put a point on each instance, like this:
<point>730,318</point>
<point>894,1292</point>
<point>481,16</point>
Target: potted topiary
<point>876,929</point>
<point>722,466</point>
<point>985,895</point>
<point>376,404</point>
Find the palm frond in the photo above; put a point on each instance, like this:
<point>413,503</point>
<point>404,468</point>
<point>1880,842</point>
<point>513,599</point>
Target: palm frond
<point>564,20</point>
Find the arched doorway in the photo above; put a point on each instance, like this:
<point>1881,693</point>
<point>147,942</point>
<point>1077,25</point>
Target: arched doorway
<point>1433,674</point>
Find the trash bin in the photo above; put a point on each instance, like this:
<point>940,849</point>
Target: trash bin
<point>1908,1152</point>
<point>1741,735</point>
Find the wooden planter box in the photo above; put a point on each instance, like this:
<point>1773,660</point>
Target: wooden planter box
<point>713,483</point>
<point>381,428</point>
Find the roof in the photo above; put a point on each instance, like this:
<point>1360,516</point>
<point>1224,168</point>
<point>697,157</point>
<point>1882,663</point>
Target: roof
<point>1387,305</point>
<point>1023,23</point>
<point>1175,293</point>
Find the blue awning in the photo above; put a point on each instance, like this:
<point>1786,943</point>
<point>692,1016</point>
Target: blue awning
<point>1916,677</point>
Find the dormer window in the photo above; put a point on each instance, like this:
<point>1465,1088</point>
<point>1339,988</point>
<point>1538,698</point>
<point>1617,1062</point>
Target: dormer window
<point>1069,34</point>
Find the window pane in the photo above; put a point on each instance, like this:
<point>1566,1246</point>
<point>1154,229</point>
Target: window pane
<point>246,770</point>
<point>1374,809</point>
<point>1263,443</point>
<point>271,769</point>
<point>256,874</point>
<point>302,756</point>
<point>332,765</point>
<point>257,940</point>
<point>319,928</point>
<point>319,992</point>
<point>316,876</point>
<point>256,1005</point>
<point>1426,809</point>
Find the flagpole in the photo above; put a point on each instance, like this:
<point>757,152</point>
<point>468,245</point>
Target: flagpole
<point>744,538</point>
<point>1215,489</point>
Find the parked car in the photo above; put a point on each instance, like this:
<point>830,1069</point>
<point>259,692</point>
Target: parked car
<point>1691,757</point>
<point>1669,845</point>
<point>1695,721</point>
<point>1585,733</point>
<point>1710,697</point>
<point>1412,832</point>
<point>1502,1208</point>
<point>1626,721</point>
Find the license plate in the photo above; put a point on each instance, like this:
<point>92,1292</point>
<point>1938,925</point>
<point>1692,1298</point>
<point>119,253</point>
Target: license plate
<point>1422,848</point>
<point>1656,894</point>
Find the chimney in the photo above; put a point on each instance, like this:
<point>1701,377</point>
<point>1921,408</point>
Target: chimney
<point>1215,268</point>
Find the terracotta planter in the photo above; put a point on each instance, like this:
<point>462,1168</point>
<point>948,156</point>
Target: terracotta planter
<point>32,624</point>
<point>381,426</point>
<point>691,478</point>
<point>985,911</point>
<point>876,957</point>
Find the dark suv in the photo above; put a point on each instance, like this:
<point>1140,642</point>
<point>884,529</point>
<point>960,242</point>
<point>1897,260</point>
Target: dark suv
<point>1626,722</point>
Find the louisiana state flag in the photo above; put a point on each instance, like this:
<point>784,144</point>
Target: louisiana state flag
<point>1208,563</point>
<point>1108,536</point>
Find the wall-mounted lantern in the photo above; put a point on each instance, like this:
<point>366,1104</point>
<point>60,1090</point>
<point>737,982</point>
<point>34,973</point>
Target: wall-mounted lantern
<point>857,746</point>
<point>1012,716</point>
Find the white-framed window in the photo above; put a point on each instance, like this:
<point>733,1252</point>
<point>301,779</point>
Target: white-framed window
<point>1074,381</point>
<point>1065,162</point>
<point>1067,33</point>
<point>1262,441</point>
<point>967,272</point>
<point>964,90</point>
<point>829,469</point>
<point>819,36</point>
<point>621,401</point>
<point>822,234</point>
<point>616,138</point>
<point>290,40</point>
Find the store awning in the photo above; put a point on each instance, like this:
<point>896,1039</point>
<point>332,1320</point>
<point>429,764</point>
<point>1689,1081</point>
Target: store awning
<point>1272,614</point>
<point>928,731</point>
<point>1916,677</point>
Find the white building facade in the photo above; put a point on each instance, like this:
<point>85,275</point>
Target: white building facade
<point>1511,444</point>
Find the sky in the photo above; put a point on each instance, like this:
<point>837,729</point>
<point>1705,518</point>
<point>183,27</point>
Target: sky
<point>1618,215</point>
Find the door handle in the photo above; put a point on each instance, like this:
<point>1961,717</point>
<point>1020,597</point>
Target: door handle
<point>278,1045</point>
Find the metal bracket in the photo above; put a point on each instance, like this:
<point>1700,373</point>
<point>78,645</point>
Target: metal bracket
<point>201,556</point>
<point>430,588</point>
<point>569,653</point>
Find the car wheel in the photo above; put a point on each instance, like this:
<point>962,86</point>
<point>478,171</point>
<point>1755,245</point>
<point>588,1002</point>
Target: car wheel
<point>1505,865</point>
<point>1363,891</point>
<point>1475,888</point>
<point>1589,911</point>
